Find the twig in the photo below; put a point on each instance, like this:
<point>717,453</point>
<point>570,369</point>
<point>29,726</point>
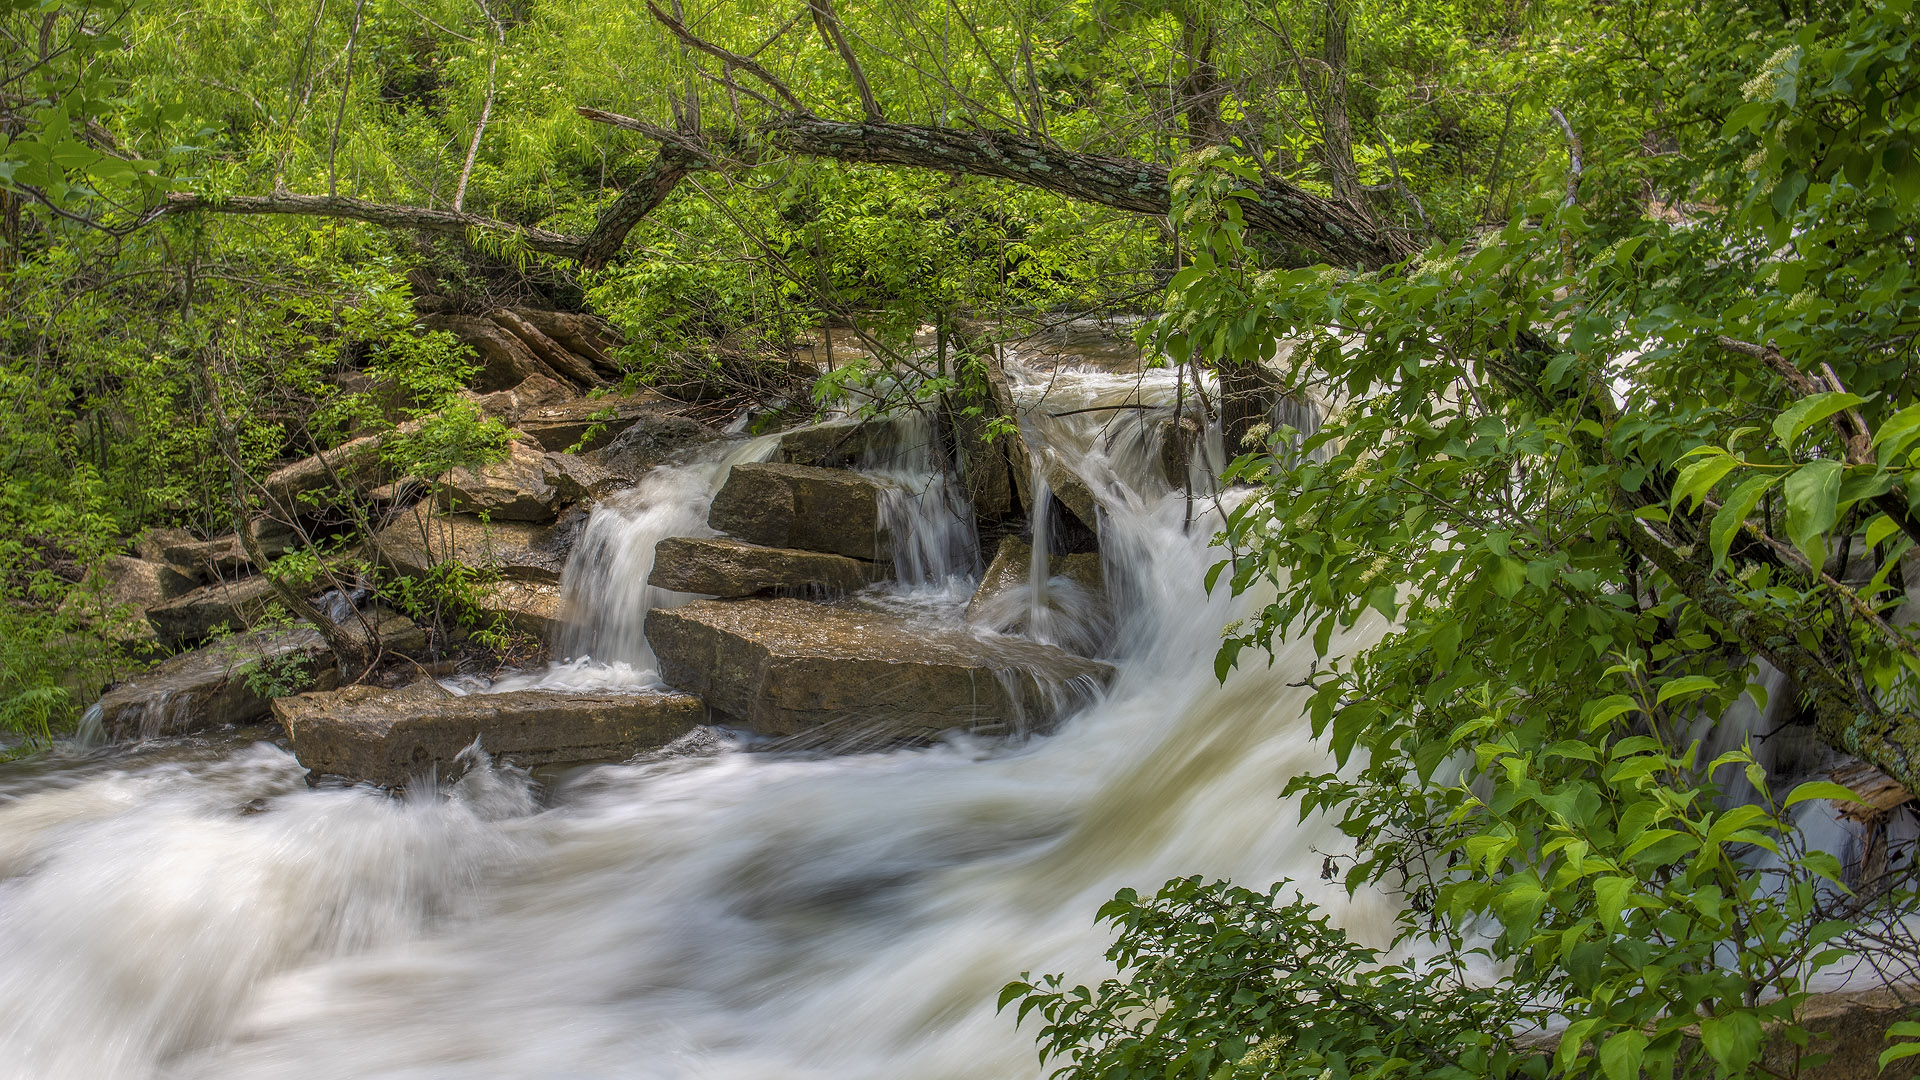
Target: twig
<point>726,56</point>
<point>1574,155</point>
<point>486,109</point>
<point>346,90</point>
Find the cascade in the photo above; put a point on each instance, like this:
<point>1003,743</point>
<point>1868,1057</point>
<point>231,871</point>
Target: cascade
<point>195,910</point>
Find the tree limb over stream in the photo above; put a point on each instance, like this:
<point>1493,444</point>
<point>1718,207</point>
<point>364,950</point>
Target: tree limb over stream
<point>1335,231</point>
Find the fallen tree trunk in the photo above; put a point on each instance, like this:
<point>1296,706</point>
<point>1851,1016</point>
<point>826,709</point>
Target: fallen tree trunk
<point>1342,234</point>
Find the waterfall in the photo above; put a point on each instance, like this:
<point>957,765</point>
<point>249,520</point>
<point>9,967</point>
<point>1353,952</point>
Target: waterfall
<point>200,912</point>
<point>923,508</point>
<point>606,595</point>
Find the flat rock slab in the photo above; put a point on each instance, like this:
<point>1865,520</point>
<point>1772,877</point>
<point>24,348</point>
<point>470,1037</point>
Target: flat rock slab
<point>801,506</point>
<point>785,666</point>
<point>839,443</point>
<point>390,737</point>
<point>522,551</point>
<point>531,607</point>
<point>208,687</point>
<point>1077,614</point>
<point>192,617</point>
<point>722,566</point>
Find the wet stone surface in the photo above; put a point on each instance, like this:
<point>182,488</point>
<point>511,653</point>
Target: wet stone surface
<point>800,506</point>
<point>785,667</point>
<point>721,566</point>
<point>393,737</point>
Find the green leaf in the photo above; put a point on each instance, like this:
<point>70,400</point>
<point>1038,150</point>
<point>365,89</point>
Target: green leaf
<point>1507,575</point>
<point>1733,1040</point>
<point>1608,708</point>
<point>1739,506</point>
<point>1610,896</point>
<point>1813,496</point>
<point>1690,684</point>
<point>1880,528</point>
<point>1620,1055</point>
<point>1896,1053</point>
<point>1808,411</point>
<point>1822,789</point>
<point>1896,432</point>
<point>1698,478</point>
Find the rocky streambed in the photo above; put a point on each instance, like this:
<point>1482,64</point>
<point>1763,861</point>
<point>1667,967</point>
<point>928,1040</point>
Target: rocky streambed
<point>822,589</point>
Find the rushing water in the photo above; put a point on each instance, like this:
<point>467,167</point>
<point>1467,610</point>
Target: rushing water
<point>194,910</point>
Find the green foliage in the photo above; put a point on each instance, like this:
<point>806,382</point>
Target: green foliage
<point>1220,982</point>
<point>1587,515</point>
<point>271,674</point>
<point>452,596</point>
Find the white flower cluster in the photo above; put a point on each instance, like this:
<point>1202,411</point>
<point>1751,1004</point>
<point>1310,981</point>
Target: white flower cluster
<point>1764,84</point>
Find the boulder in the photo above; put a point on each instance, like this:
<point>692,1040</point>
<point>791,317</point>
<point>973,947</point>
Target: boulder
<point>354,464</point>
<point>208,687</point>
<point>786,667</point>
<point>998,471</point>
<point>801,506</point>
<point>235,604</point>
<point>593,422</point>
<point>154,544</point>
<point>536,392</point>
<point>390,737</point>
<point>1850,1026</point>
<point>207,560</point>
<point>721,566</point>
<point>583,335</point>
<point>117,593</point>
<point>1073,493</point>
<point>140,582</point>
<point>1179,445</point>
<point>651,439</point>
<point>528,485</point>
<point>422,538</point>
<point>557,356</point>
<point>838,444</point>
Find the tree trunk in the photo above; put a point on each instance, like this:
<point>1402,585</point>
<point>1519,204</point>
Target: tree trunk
<point>1336,131</point>
<point>1198,93</point>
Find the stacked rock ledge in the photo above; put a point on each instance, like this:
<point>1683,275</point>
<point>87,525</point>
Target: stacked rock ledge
<point>723,566</point>
<point>784,666</point>
<point>805,507</point>
<point>394,737</point>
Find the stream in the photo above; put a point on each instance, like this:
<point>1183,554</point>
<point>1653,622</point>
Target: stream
<point>191,908</point>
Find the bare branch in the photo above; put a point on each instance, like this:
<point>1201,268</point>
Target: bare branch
<point>734,59</point>
<point>486,109</point>
<point>829,24</point>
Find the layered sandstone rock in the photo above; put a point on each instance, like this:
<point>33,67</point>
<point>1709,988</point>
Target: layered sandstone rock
<point>393,737</point>
<point>785,666</point>
<point>722,566</point>
<point>805,507</point>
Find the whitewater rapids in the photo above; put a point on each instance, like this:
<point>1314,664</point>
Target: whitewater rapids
<point>195,910</point>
